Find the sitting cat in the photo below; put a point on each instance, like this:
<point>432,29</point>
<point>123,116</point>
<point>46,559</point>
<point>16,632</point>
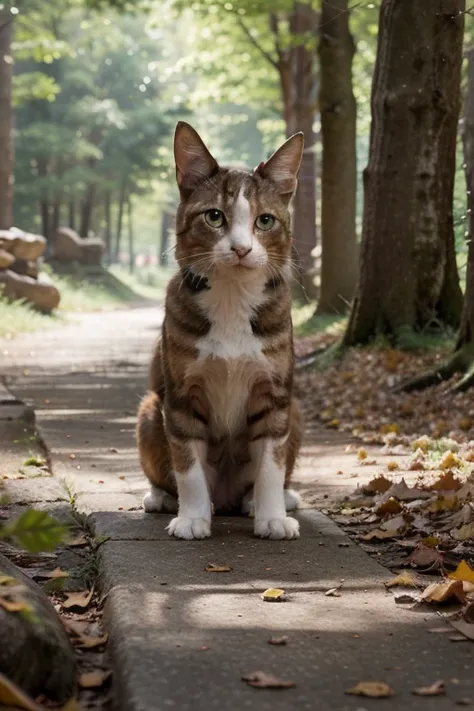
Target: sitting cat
<point>219,426</point>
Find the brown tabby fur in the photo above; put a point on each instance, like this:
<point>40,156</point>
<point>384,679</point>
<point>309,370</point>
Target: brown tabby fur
<point>226,402</point>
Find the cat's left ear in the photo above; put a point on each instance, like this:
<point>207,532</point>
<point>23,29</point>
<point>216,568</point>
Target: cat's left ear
<point>193,161</point>
<point>283,166</point>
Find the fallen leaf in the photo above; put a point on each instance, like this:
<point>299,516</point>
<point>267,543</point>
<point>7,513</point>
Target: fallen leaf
<point>425,557</point>
<point>90,642</point>
<point>422,443</point>
<point>436,689</point>
<point>446,482</point>
<point>273,595</point>
<point>362,454</point>
<point>51,574</point>
<point>404,578</point>
<point>443,503</point>
<point>393,466</point>
<point>78,599</point>
<point>95,679</point>
<point>379,535</point>
<point>449,461</point>
<point>443,592</point>
<point>212,568</point>
<point>403,492</point>
<point>391,506</point>
<point>7,580</point>
<point>13,605</point>
<point>463,572</point>
<point>278,641</point>
<point>334,592</point>
<point>78,541</point>
<point>261,680</point>
<point>374,689</point>
<point>463,533</point>
<point>465,628</point>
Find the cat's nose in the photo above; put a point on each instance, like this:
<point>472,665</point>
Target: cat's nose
<point>241,252</point>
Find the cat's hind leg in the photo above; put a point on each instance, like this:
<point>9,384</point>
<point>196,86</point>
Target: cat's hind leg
<point>155,457</point>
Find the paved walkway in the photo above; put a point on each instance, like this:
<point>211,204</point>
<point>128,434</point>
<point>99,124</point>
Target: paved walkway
<point>181,637</point>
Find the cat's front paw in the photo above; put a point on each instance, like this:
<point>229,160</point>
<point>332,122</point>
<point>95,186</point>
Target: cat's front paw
<point>189,528</point>
<point>277,528</point>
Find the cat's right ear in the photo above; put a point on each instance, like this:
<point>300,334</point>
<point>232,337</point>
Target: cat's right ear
<point>193,161</point>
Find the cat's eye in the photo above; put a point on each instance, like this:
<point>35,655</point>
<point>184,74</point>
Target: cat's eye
<point>265,222</point>
<point>214,218</point>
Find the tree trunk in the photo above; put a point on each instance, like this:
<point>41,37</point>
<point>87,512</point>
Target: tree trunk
<point>121,204</point>
<point>408,154</point>
<point>45,221</point>
<point>72,214</point>
<point>131,250</point>
<point>87,206</point>
<point>6,121</point>
<point>56,216</point>
<point>108,225</point>
<point>166,226</point>
<point>338,183</point>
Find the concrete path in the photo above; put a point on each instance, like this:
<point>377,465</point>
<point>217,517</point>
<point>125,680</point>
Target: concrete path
<point>182,637</point>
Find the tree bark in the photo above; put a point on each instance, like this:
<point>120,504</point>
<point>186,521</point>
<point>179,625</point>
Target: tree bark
<point>339,168</point>
<point>131,246</point>
<point>108,225</point>
<point>6,121</point>
<point>121,205</point>
<point>72,214</point>
<point>414,109</point>
<point>87,205</point>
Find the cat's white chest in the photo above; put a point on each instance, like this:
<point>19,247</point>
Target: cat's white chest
<point>230,306</point>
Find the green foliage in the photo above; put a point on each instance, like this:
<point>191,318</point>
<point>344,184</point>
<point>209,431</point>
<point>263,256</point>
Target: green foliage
<point>35,531</point>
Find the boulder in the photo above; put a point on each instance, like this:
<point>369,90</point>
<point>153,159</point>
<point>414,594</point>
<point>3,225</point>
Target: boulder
<point>6,259</point>
<point>22,245</point>
<point>43,295</point>
<point>35,652</point>
<point>69,247</point>
<point>25,266</point>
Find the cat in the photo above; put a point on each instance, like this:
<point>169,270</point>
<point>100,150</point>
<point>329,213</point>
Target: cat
<point>219,427</point>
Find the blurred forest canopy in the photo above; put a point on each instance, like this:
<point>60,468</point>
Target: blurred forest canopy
<point>99,84</point>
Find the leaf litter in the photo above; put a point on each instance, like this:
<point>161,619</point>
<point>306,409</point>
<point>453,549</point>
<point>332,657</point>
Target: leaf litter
<point>262,680</point>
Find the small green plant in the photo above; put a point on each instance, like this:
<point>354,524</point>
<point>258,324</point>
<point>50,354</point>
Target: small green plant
<point>34,461</point>
<point>35,531</point>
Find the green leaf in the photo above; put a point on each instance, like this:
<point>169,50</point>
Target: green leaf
<point>35,531</point>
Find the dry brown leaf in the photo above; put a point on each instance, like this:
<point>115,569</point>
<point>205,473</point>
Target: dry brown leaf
<point>261,680</point>
<point>273,595</point>
<point>78,541</point>
<point>436,689</point>
<point>463,572</point>
<point>213,568</point>
<point>78,599</point>
<point>425,557</point>
<point>95,679</point>
<point>403,492</point>
<point>278,641</point>
<point>90,642</point>
<point>379,535</point>
<point>13,605</point>
<point>334,592</point>
<point>51,574</point>
<point>362,454</point>
<point>443,592</point>
<point>446,482</point>
<point>77,627</point>
<point>391,506</point>
<point>405,579</point>
<point>374,689</point>
<point>443,503</point>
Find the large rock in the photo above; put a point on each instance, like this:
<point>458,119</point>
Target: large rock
<point>22,245</point>
<point>43,295</point>
<point>6,259</point>
<point>35,652</point>
<point>25,266</point>
<point>69,247</point>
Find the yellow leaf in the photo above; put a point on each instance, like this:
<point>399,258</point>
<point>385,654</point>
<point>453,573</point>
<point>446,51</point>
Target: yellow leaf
<point>449,460</point>
<point>431,541</point>
<point>95,679</point>
<point>422,443</point>
<point>406,579</point>
<point>375,689</point>
<point>389,429</point>
<point>14,605</point>
<point>78,599</point>
<point>12,696</point>
<point>212,568</point>
<point>334,424</point>
<point>362,454</point>
<point>393,466</point>
<point>7,580</point>
<point>463,572</point>
<point>273,595</point>
<point>441,592</point>
<point>443,503</point>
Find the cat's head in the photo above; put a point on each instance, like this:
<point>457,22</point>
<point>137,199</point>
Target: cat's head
<point>233,219</point>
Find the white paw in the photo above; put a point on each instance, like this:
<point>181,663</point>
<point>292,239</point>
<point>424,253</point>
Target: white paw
<point>189,528</point>
<point>277,528</point>
<point>157,501</point>
<point>292,500</point>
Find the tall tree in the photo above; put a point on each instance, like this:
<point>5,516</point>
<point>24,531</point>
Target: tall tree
<point>407,251</point>
<point>337,107</point>
<point>6,120</point>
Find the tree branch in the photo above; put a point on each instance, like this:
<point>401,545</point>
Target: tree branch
<point>257,45</point>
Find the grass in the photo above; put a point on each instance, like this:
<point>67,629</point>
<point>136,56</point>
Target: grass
<point>306,323</point>
<point>82,292</point>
